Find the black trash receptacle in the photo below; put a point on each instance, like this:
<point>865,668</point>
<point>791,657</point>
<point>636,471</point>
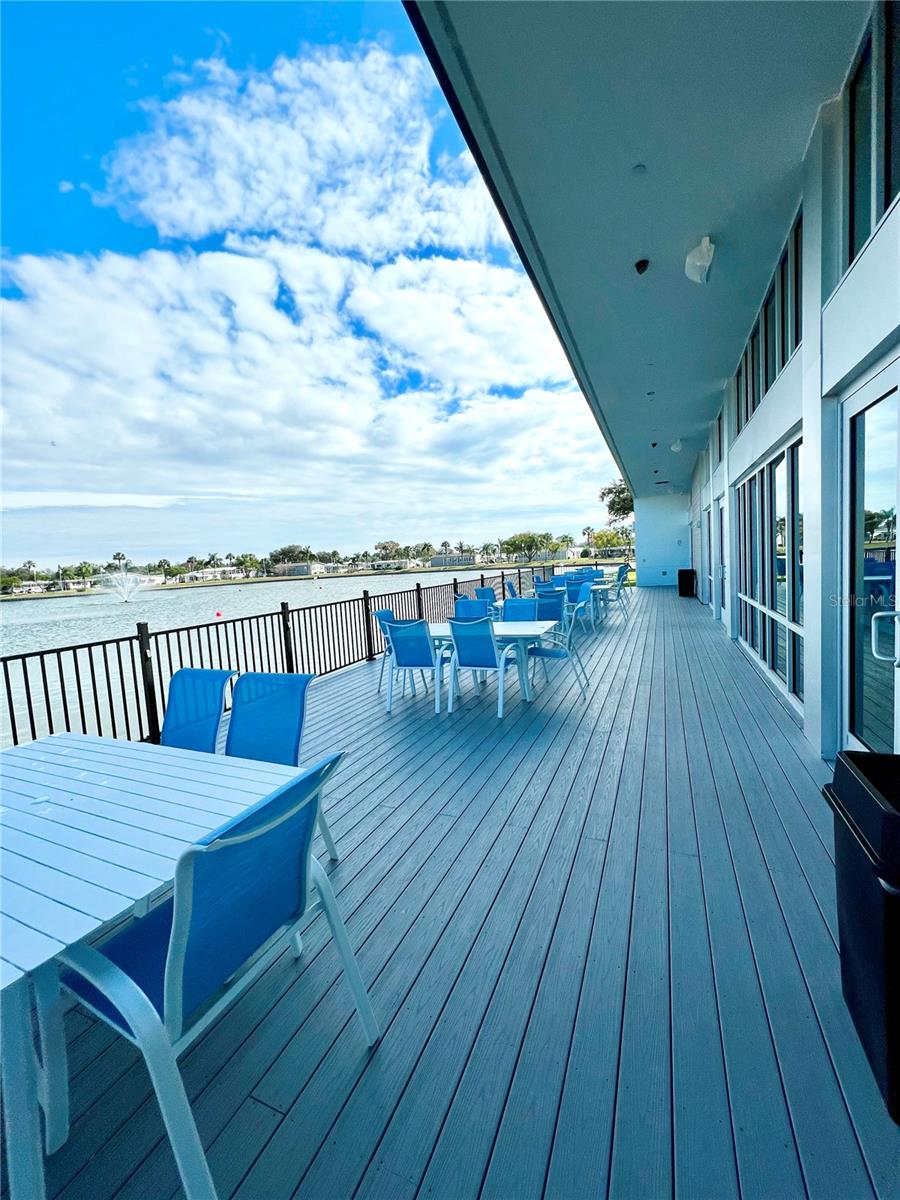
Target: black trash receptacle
<point>865,798</point>
<point>687,582</point>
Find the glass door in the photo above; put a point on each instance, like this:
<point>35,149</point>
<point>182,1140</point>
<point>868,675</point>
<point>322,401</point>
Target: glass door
<point>872,628</point>
<point>720,523</point>
<point>709,558</point>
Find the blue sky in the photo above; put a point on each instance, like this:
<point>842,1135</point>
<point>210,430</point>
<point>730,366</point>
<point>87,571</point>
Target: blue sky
<point>255,291</point>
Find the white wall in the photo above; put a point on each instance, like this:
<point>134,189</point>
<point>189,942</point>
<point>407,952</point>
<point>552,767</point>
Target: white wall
<point>662,539</point>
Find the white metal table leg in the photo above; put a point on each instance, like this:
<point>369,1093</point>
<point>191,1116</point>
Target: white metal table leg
<point>522,657</point>
<point>21,1118</point>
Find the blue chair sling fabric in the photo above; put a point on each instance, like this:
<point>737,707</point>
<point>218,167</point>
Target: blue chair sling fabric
<point>267,715</point>
<point>550,608</point>
<point>194,709</point>
<point>511,589</point>
<point>486,593</point>
<point>412,649</point>
<point>520,609</point>
<point>471,609</point>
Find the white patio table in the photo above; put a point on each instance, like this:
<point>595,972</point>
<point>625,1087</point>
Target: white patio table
<point>523,633</point>
<point>90,831</point>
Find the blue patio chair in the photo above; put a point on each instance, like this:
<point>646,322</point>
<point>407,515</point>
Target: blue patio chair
<point>382,616</point>
<point>466,609</point>
<point>413,649</point>
<point>476,649</point>
<point>486,593</point>
<point>194,709</point>
<point>559,646</point>
<point>579,604</point>
<point>510,589</point>
<point>522,608</point>
<point>551,608</point>
<point>266,724</point>
<point>240,895</point>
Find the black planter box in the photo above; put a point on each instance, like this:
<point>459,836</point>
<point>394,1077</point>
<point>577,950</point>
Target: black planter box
<point>865,798</point>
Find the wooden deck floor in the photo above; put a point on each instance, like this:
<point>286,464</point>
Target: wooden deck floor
<point>601,939</point>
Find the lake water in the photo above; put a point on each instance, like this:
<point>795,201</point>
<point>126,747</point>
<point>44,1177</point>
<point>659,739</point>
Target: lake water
<point>43,624</point>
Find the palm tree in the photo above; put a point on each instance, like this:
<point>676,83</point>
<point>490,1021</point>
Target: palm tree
<point>30,566</point>
<point>213,560</point>
<point>229,558</point>
<point>445,547</point>
<point>164,565</point>
<point>588,534</point>
<point>120,559</point>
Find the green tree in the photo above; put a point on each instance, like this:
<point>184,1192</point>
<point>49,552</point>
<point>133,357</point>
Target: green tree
<point>445,547</point>
<point>9,583</point>
<point>388,549</point>
<point>120,560</point>
<point>618,500</point>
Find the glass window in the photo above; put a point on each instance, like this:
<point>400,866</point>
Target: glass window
<point>720,441</point>
<point>779,532</point>
<point>770,363</point>
<point>753,370</point>
<point>783,311</point>
<point>873,534</point>
<point>797,550</point>
<point>753,523</point>
<point>798,285</point>
<point>779,649</point>
<point>892,101</point>
<point>860,111</point>
<point>797,657</point>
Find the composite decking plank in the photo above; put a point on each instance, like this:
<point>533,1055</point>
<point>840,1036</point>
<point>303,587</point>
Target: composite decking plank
<point>829,1150</point>
<point>580,1156</point>
<point>767,1159</point>
<point>641,1154</point>
<point>819,966</point>
<point>703,1135</point>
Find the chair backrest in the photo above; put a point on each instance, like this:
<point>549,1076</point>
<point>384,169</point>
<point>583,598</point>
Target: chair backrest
<point>511,589</point>
<point>410,643</point>
<point>465,607</point>
<point>549,589</point>
<point>237,887</point>
<point>584,592</point>
<point>622,573</point>
<point>522,608</point>
<point>573,590</point>
<point>267,714</point>
<point>550,608</point>
<point>383,616</point>
<point>474,643</point>
<point>194,708</point>
<point>486,593</point>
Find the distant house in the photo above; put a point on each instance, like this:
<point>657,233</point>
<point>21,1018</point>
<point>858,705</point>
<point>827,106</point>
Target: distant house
<point>314,567</point>
<point>394,564</point>
<point>207,573</point>
<point>456,560</point>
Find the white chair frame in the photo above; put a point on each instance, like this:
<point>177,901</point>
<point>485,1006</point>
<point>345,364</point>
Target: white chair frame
<point>502,652</point>
<point>162,1042</point>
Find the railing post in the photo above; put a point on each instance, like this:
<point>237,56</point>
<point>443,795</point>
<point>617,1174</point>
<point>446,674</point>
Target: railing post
<point>420,606</point>
<point>150,701</point>
<point>519,576</point>
<point>289,665</point>
<point>455,586</point>
<point>502,584</point>
<point>370,641</point>
<point>482,578</point>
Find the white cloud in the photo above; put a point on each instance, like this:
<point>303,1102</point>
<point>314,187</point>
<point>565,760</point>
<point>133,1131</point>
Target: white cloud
<point>332,147</point>
<point>350,364</point>
<point>66,185</point>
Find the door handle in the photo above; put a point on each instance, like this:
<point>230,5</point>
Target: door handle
<point>886,616</point>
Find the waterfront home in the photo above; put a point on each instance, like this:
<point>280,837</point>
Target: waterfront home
<point>455,560</point>
<point>313,567</point>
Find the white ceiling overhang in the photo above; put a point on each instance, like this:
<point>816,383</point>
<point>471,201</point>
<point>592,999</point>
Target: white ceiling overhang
<point>559,102</point>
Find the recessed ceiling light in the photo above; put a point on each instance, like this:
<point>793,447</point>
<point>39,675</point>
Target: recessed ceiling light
<point>639,169</point>
<point>651,393</point>
<point>641,265</point>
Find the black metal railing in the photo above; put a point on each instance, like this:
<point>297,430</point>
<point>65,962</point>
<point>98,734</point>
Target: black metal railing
<point>118,687</point>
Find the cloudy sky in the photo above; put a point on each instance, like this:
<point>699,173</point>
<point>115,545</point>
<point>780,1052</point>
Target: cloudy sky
<point>255,292</point>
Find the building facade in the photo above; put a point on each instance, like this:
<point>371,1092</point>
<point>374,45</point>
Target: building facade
<point>752,407</point>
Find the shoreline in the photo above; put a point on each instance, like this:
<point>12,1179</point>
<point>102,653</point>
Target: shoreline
<point>476,568</point>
